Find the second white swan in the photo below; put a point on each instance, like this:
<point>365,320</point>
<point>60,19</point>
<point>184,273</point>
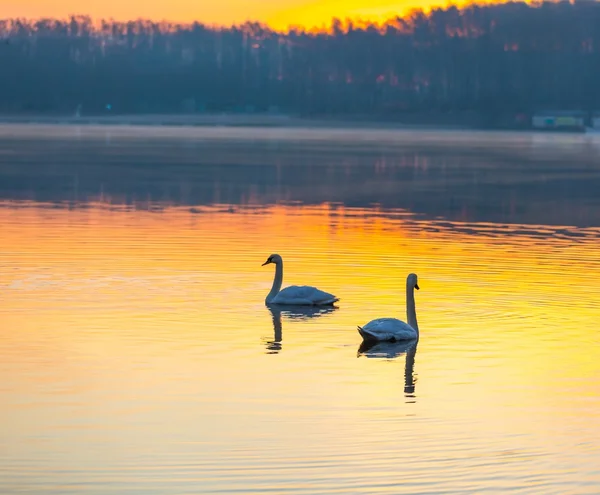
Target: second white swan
<point>393,329</point>
<point>300,295</point>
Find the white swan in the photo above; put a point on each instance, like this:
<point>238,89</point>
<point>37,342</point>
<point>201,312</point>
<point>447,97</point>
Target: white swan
<point>393,329</point>
<point>303,295</point>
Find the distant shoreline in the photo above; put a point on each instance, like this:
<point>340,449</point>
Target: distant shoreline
<point>417,121</point>
<point>228,120</point>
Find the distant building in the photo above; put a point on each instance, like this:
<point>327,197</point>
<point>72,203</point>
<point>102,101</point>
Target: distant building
<point>559,120</point>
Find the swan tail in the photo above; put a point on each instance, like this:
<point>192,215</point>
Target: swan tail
<point>328,302</point>
<point>364,334</point>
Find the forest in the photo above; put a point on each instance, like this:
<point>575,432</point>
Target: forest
<point>490,60</point>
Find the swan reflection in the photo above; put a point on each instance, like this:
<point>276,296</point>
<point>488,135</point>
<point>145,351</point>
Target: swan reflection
<point>292,312</point>
<point>391,350</point>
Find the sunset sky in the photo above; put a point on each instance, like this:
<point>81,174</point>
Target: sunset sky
<point>277,13</point>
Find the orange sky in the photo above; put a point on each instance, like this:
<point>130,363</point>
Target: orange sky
<point>277,13</point>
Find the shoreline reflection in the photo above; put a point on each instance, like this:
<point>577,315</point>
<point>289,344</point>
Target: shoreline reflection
<point>435,179</point>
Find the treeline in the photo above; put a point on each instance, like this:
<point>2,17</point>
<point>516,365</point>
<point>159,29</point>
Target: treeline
<point>494,60</point>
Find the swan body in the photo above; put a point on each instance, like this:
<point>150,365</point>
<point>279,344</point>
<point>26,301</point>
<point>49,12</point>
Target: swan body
<point>296,295</point>
<point>387,329</point>
<point>393,329</point>
<point>303,295</point>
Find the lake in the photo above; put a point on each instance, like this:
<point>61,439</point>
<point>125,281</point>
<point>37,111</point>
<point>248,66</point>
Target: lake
<point>138,356</point>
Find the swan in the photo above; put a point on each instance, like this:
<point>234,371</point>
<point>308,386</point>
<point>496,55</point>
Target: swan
<point>302,295</point>
<point>393,329</point>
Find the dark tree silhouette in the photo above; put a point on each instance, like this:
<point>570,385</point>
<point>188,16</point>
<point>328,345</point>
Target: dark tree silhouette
<point>492,61</point>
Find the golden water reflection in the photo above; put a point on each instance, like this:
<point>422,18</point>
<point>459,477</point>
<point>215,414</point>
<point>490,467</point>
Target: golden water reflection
<point>137,342</point>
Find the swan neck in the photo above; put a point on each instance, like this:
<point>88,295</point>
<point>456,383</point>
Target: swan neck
<point>411,312</point>
<point>277,281</point>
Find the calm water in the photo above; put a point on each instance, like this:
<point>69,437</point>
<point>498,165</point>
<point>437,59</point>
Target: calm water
<point>138,356</point>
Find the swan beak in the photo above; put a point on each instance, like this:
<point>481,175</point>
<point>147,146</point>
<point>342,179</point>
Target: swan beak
<point>417,286</point>
<point>266,263</point>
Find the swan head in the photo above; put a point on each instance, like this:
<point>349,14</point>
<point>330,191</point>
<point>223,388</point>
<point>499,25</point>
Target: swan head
<point>274,258</point>
<point>411,281</point>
